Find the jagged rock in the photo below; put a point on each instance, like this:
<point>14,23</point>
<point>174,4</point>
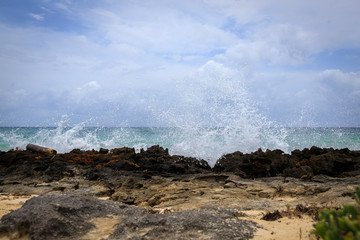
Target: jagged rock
<point>61,216</point>
<point>308,161</point>
<point>329,161</point>
<point>124,152</point>
<point>157,161</point>
<point>257,164</point>
<point>155,150</point>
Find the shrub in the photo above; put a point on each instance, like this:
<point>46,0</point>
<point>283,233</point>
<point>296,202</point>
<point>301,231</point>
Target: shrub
<point>340,224</point>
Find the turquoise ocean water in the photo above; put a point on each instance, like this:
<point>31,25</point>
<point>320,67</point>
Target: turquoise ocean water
<point>206,143</point>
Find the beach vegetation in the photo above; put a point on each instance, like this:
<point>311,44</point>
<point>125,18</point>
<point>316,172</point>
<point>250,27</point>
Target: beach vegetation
<point>343,223</point>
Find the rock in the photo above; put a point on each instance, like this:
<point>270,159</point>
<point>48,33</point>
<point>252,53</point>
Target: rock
<point>272,216</point>
<point>206,223</point>
<point>67,216</point>
<point>124,197</point>
<point>155,150</point>
<point>255,165</point>
<point>76,150</point>
<point>22,165</point>
<point>125,152</point>
<point>329,161</point>
<point>158,161</point>
<point>94,174</point>
<point>103,150</point>
<point>298,172</point>
<point>60,215</point>
<point>313,161</point>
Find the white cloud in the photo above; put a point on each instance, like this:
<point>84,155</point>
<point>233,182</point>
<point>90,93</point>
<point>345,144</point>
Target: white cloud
<point>89,86</point>
<point>160,31</point>
<point>277,45</point>
<point>38,17</point>
<point>331,20</point>
<point>288,33</point>
<point>351,79</point>
<point>64,5</point>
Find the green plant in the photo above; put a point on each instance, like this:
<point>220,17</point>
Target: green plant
<point>340,224</point>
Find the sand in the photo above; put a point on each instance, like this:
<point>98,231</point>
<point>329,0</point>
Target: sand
<point>283,228</point>
<point>11,202</point>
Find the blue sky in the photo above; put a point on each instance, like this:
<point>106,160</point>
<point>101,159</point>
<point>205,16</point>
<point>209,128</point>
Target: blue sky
<point>146,63</point>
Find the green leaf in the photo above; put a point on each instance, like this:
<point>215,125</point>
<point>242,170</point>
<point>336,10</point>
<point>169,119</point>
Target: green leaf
<point>343,225</point>
<point>351,211</point>
<point>320,229</point>
<point>351,224</point>
<point>357,195</point>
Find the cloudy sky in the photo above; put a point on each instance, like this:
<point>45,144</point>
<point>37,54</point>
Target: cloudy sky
<point>114,62</point>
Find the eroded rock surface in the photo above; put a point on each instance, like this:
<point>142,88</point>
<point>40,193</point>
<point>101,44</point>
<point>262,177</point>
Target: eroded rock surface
<point>206,223</point>
<point>60,215</point>
<point>68,216</point>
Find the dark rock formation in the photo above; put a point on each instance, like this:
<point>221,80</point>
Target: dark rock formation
<point>329,161</point>
<point>95,165</point>
<point>257,164</point>
<point>59,216</point>
<point>156,161</point>
<point>311,161</point>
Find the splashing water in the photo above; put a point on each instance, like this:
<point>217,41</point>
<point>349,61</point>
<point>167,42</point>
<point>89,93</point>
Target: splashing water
<point>214,116</point>
<point>64,139</point>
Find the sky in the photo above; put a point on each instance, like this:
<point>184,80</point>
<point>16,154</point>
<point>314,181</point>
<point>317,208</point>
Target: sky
<point>144,63</point>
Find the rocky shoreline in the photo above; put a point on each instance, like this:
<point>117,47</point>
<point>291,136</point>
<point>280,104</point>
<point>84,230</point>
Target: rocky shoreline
<point>152,194</point>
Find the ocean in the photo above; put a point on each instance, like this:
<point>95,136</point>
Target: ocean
<point>200,142</point>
